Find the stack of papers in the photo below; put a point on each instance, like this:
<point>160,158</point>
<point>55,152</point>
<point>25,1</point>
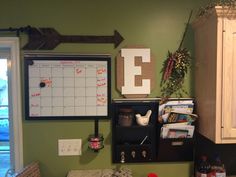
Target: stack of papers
<point>177,118</point>
<point>178,130</point>
<point>180,106</point>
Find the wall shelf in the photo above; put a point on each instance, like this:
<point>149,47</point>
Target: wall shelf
<point>135,143</point>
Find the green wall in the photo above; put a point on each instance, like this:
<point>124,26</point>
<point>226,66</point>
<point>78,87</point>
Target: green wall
<point>157,24</point>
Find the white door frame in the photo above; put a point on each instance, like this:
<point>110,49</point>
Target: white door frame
<point>15,100</point>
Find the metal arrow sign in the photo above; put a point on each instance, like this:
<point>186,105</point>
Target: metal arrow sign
<point>49,38</point>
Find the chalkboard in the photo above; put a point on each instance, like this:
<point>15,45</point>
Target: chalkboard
<point>67,86</point>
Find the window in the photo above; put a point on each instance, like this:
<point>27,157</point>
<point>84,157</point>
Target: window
<point>12,104</point>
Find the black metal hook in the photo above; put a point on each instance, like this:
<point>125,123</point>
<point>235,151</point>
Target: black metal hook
<point>17,30</point>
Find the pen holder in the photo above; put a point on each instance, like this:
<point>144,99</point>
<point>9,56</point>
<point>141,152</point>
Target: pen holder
<point>95,142</point>
<point>126,117</point>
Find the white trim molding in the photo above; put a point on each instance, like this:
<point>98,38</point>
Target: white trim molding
<point>15,100</point>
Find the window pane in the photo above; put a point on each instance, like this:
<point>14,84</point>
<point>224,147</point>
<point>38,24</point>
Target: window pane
<point>3,112</point>
<point>3,84</point>
<point>4,122</point>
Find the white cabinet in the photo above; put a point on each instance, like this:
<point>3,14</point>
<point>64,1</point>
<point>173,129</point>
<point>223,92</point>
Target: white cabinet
<point>215,74</point>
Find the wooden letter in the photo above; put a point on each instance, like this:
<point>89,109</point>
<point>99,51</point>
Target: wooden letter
<point>130,71</point>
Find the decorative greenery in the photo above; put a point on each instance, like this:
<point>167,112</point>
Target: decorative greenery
<point>174,70</point>
<point>175,67</point>
<point>228,3</point>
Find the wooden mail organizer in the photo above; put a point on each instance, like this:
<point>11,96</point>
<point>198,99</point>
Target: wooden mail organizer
<point>136,134</point>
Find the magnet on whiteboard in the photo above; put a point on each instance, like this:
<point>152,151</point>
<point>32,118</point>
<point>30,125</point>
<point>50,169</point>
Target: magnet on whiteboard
<point>42,84</point>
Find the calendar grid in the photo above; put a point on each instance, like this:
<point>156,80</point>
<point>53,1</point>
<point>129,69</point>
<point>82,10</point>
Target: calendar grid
<point>68,88</point>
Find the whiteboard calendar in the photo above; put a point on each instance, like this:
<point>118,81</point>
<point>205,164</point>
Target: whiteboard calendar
<point>67,87</point>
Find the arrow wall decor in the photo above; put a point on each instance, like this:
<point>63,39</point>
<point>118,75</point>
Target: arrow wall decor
<point>49,38</point>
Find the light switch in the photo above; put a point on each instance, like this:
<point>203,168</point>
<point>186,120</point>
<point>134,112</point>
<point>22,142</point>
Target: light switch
<point>69,147</point>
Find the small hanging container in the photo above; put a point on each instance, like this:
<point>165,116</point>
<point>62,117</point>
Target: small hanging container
<point>95,142</point>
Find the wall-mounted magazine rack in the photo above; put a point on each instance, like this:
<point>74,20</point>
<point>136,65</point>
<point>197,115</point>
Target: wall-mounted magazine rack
<point>176,130</point>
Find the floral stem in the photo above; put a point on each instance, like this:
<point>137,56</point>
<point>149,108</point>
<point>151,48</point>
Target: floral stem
<point>186,29</point>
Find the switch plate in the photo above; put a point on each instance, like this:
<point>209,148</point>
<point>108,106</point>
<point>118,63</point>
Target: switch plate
<point>69,147</point>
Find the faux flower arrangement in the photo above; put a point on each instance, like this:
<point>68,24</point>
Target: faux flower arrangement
<point>175,67</point>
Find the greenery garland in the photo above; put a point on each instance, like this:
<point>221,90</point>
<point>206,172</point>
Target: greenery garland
<point>174,70</point>
<point>227,3</point>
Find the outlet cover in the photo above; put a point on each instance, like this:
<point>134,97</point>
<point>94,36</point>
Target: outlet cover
<point>69,147</point>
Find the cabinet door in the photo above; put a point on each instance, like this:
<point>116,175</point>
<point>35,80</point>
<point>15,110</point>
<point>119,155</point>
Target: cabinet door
<point>229,80</point>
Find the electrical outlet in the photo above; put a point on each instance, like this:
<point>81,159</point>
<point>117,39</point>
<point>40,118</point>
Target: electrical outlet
<point>69,147</point>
